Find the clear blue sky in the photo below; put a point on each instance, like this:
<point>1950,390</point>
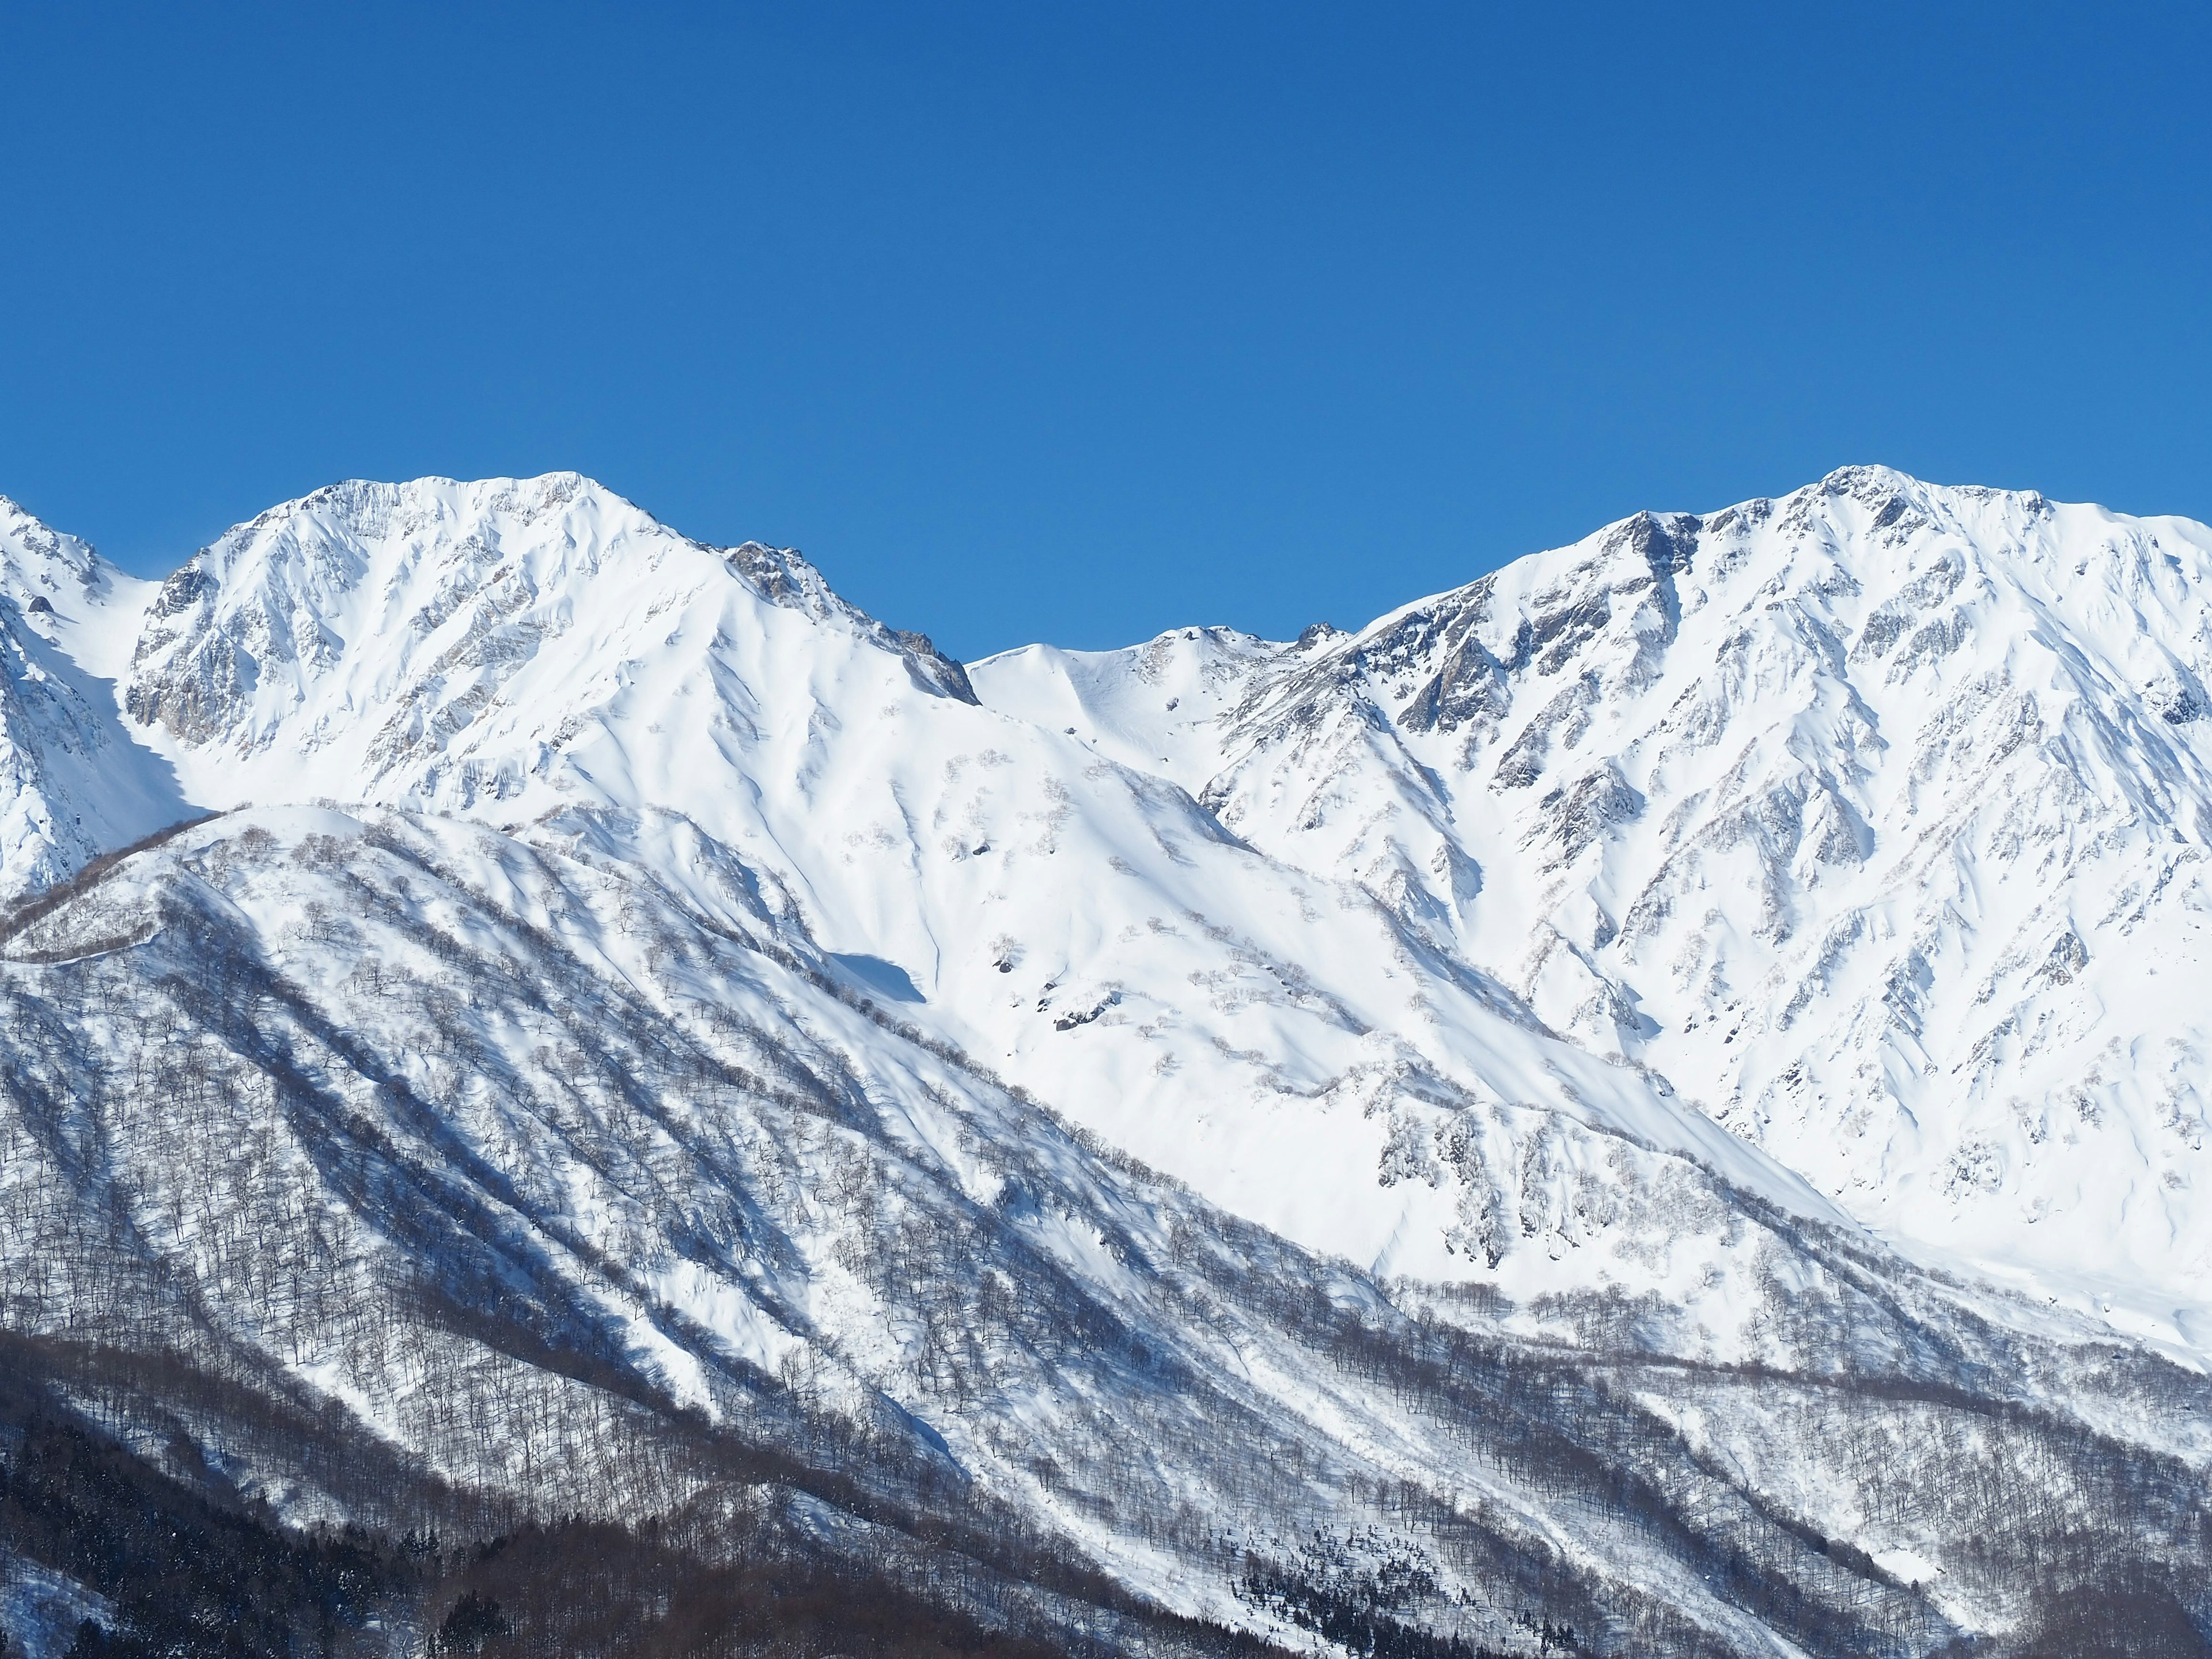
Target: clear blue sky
<point>1080,322</point>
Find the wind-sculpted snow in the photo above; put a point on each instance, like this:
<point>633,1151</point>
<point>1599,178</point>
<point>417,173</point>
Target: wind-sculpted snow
<point>1359,1144</point>
<point>1872,820</point>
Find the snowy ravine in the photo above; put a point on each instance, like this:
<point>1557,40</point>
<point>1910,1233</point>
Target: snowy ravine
<point>1660,1093</point>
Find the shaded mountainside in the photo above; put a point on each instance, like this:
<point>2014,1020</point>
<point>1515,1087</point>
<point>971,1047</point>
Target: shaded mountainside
<point>706,1139</point>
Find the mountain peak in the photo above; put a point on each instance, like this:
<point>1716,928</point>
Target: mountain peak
<point>37,560</point>
<point>438,516</point>
<point>1472,1095</point>
<point>1820,807</point>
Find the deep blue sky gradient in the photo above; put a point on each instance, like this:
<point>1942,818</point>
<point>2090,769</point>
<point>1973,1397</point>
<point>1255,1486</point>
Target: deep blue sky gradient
<point>1078,323</point>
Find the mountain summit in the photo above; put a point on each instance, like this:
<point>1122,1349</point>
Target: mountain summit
<point>1873,820</point>
<point>1653,1103</point>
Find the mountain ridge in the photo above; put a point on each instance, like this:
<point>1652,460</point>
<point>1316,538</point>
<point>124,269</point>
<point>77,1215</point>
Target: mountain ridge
<point>1169,1110</point>
<point>1437,704</point>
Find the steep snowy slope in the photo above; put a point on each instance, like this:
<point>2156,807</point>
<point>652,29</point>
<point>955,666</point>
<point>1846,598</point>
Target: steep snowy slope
<point>72,781</point>
<point>1286,1045</point>
<point>1873,819</point>
<point>524,1176</point>
<point>1296,1138</point>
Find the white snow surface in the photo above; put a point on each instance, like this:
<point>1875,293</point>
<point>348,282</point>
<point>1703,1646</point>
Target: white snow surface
<point>1845,851</point>
<point>73,782</point>
<point>1785,923</point>
<point>1871,822</point>
<point>1284,1044</point>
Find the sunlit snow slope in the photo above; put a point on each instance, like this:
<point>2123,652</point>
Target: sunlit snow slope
<point>1872,819</point>
<point>72,781</point>
<point>1380,1127</point>
<point>1284,1043</point>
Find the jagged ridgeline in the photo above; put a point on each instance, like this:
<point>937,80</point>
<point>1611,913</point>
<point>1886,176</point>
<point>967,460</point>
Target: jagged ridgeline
<point>682,1122</point>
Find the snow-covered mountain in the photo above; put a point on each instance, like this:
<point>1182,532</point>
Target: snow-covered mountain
<point>1632,1095</point>
<point>73,782</point>
<point>1873,820</point>
<point>503,650</point>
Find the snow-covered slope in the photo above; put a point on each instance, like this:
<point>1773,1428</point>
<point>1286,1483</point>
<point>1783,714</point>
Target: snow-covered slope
<point>510,641</point>
<point>73,783</point>
<point>1383,1121</point>
<point>1286,1045</point>
<point>558,1168</point>
<point>1873,819</point>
